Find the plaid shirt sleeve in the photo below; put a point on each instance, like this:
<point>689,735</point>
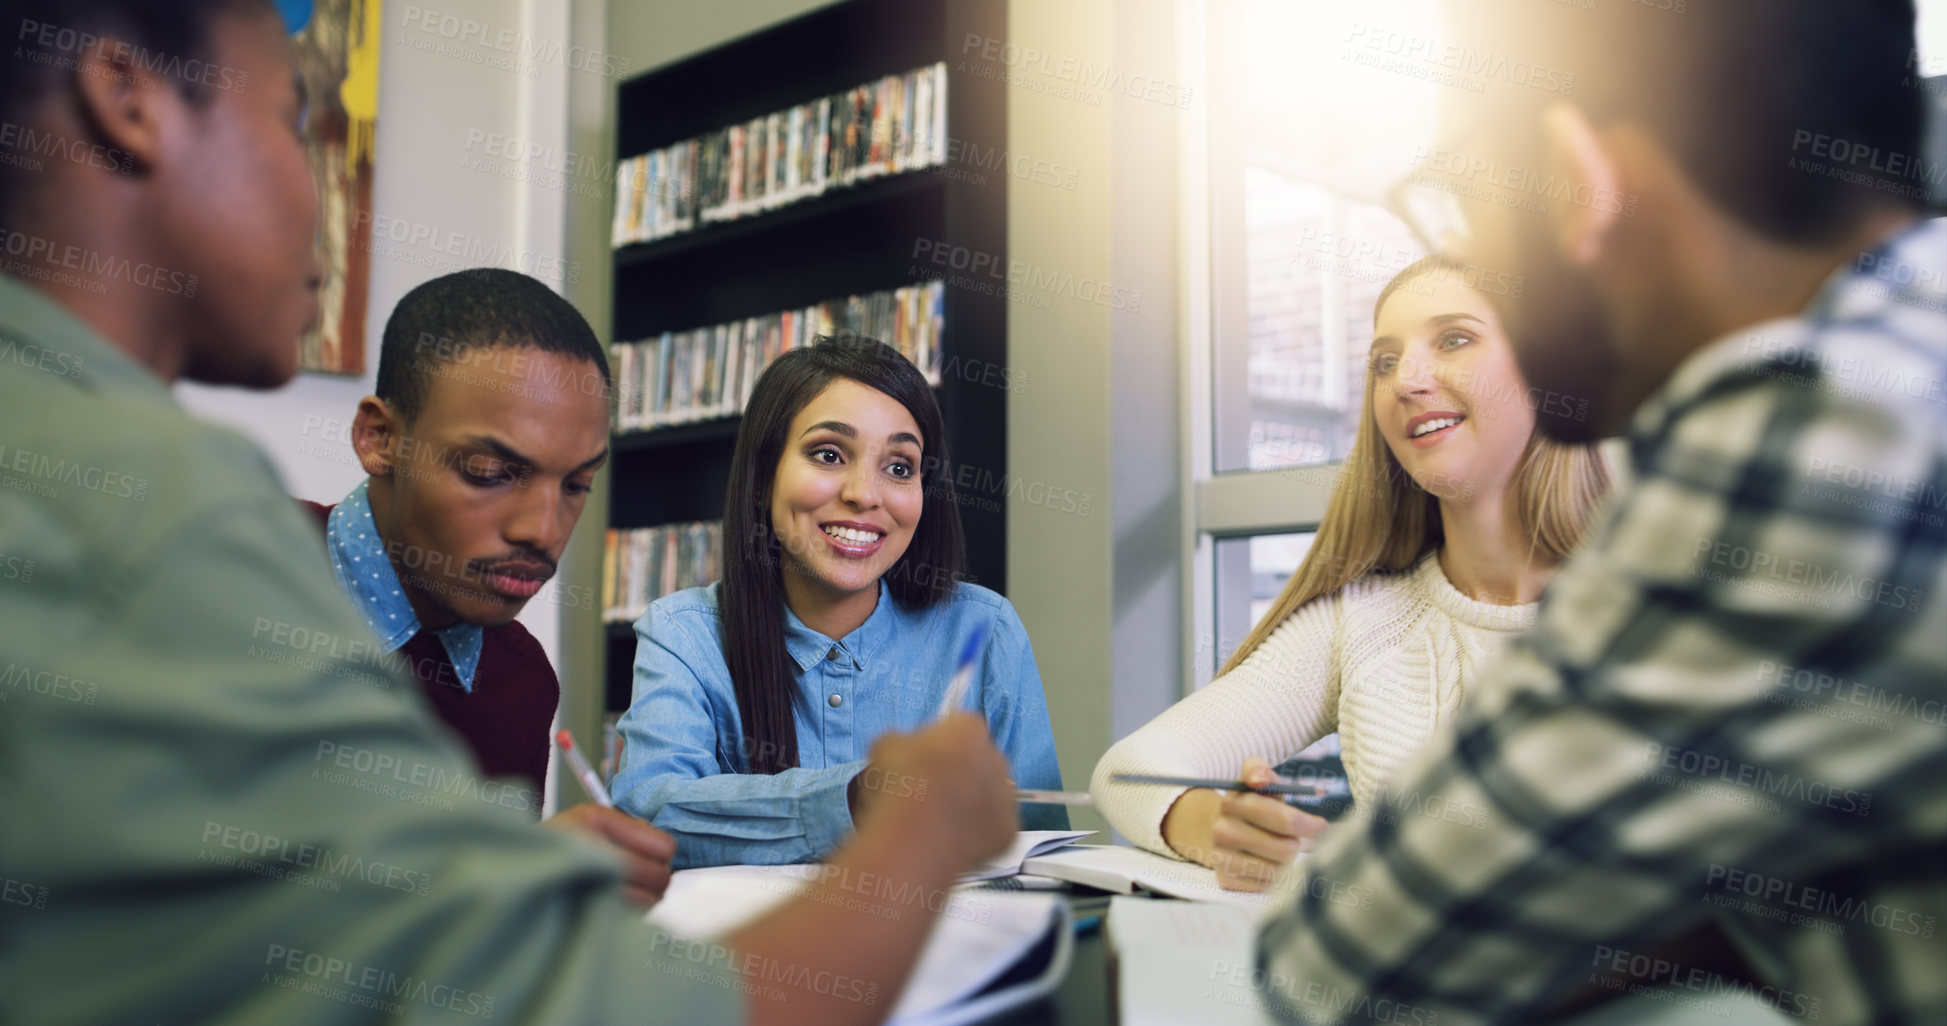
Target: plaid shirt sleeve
<point>1729,715</point>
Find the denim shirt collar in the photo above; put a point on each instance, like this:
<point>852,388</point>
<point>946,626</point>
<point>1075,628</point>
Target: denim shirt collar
<point>807,646</point>
<point>359,561</point>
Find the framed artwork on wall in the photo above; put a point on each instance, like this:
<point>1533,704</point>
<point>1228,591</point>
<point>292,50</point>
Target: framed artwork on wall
<point>338,58</point>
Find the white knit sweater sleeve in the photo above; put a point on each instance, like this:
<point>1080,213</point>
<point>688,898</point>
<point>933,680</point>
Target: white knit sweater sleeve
<point>1280,699</point>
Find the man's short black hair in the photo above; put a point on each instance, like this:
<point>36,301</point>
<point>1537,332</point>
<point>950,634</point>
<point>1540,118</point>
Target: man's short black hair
<point>445,320</point>
<point>48,37</point>
<point>1795,117</point>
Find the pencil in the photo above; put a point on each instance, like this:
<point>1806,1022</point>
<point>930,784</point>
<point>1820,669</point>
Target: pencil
<point>590,781</point>
<point>1275,787</point>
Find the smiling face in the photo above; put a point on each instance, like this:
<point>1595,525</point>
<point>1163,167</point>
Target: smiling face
<point>476,496</point>
<point>1447,395</point>
<point>846,496</point>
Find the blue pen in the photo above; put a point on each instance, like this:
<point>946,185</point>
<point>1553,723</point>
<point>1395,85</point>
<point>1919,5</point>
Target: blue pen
<point>956,689</point>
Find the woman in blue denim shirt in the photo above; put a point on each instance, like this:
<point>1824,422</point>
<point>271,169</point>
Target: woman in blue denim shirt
<point>839,617</point>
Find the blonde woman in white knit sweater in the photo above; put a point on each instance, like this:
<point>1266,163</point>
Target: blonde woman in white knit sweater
<point>1450,516</point>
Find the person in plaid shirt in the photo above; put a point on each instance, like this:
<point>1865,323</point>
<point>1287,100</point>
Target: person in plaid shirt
<point>1713,777</point>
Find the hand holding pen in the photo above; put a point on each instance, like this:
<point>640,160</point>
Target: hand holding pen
<point>646,851</point>
<point>1245,829</point>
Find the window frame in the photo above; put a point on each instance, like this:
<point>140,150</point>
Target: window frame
<point>1237,504</point>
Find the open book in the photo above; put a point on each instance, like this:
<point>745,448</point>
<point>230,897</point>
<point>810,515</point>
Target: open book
<point>989,950</point>
<point>1126,870</point>
<point>1027,844</point>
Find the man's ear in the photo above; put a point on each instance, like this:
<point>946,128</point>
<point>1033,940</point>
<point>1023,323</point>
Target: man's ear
<point>128,108</point>
<point>1582,229</point>
<point>377,431</point>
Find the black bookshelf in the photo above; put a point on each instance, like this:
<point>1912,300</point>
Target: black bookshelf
<point>848,241</point>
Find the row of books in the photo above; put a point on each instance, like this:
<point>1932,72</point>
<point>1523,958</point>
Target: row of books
<point>704,373</point>
<point>895,124</point>
<point>641,565</point>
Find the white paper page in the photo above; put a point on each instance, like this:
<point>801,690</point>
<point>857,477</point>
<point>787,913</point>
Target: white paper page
<point>706,903</point>
<point>1026,844</point>
<point>1153,872</point>
<point>1188,962</point>
<point>977,937</point>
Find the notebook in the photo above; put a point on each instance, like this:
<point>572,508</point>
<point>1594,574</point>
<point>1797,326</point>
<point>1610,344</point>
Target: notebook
<point>989,951</point>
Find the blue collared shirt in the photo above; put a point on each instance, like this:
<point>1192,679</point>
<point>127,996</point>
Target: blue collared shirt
<point>358,559</point>
<point>683,763</point>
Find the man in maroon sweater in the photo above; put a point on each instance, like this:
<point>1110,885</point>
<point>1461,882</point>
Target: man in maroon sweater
<point>480,446</point>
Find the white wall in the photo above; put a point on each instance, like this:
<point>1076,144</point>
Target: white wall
<point>1100,593</point>
<point>1144,387</point>
<point>1060,565</point>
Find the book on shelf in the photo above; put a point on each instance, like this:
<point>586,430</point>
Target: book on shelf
<point>708,372</point>
<point>641,565</point>
<point>888,126</point>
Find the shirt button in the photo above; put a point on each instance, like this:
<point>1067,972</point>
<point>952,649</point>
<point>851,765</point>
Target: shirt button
<point>834,657</point>
<point>836,700</point>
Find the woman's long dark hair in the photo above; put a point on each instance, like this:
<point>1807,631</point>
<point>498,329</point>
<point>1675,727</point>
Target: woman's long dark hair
<point>751,597</point>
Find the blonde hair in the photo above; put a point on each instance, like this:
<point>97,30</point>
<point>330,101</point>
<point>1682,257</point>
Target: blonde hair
<point>1380,519</point>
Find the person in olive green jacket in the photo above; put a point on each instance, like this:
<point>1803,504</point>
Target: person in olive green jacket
<point>222,804</point>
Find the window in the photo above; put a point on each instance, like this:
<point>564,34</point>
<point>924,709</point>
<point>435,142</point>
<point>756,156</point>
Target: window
<point>1316,260</point>
<point>1274,558</point>
<point>1300,137</point>
<point>1263,563</point>
<point>1251,573</point>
